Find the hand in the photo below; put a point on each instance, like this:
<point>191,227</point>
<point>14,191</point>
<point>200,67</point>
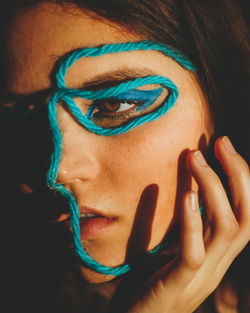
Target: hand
<point>182,285</point>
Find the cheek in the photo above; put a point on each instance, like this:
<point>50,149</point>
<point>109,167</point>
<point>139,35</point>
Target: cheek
<point>149,155</point>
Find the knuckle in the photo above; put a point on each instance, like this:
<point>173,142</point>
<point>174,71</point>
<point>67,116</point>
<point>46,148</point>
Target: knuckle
<point>230,230</point>
<point>245,229</point>
<point>195,260</point>
<point>241,174</point>
<point>240,170</point>
<point>213,183</point>
<point>244,165</point>
<point>246,223</point>
<point>195,228</point>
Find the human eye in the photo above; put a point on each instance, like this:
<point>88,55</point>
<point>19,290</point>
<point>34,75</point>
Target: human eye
<point>121,109</point>
<point>115,107</point>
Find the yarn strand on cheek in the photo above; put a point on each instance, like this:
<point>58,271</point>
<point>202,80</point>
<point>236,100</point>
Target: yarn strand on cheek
<point>67,95</point>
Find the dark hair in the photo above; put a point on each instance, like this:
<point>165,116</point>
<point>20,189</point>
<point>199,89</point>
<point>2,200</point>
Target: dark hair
<point>214,35</point>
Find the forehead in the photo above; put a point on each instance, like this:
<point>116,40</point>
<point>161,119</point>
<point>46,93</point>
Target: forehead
<point>38,37</point>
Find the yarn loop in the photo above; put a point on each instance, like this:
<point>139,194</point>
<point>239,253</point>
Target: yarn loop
<point>66,95</point>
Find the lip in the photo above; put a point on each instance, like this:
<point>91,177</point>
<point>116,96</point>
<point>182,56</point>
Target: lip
<point>90,227</point>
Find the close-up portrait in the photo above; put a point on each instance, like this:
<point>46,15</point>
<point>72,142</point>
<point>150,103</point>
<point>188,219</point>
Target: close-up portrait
<point>124,160</point>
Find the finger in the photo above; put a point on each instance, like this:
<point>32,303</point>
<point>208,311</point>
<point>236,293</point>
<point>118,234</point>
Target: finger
<point>192,251</point>
<point>191,254</point>
<point>179,273</point>
<point>217,204</point>
<point>238,174</point>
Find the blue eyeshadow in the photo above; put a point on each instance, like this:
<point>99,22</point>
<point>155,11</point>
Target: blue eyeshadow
<point>146,96</point>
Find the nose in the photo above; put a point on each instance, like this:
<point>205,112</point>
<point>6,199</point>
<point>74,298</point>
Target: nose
<point>79,161</point>
<point>76,167</point>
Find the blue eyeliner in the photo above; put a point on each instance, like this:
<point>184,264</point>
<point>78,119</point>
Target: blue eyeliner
<point>146,96</point>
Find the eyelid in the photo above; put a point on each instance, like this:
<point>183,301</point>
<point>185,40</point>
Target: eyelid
<point>137,94</point>
<point>69,94</point>
<point>147,97</point>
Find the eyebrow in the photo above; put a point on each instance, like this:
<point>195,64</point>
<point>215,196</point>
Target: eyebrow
<point>110,79</point>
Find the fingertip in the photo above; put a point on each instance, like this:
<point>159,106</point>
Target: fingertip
<point>217,146</point>
<point>189,159</point>
<point>223,145</point>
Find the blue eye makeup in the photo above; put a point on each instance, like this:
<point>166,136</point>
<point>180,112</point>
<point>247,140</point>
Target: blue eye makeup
<point>120,109</point>
<point>68,95</point>
<point>111,111</point>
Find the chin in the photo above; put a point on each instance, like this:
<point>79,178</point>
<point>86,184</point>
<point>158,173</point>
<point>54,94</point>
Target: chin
<point>92,277</point>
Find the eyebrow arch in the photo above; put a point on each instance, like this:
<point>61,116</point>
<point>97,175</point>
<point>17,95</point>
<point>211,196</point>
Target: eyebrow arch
<point>114,78</point>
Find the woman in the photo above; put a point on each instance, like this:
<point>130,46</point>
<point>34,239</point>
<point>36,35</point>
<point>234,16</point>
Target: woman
<point>133,187</point>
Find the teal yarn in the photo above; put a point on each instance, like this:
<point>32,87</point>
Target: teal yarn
<point>66,95</point>
<point>121,47</point>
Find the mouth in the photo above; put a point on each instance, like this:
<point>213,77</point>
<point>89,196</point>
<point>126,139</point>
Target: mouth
<point>92,223</point>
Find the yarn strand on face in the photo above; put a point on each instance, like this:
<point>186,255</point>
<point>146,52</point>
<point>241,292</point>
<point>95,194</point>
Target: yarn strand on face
<point>66,95</point>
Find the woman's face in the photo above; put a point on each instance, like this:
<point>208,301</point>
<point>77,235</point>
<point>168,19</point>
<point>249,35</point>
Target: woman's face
<point>132,181</point>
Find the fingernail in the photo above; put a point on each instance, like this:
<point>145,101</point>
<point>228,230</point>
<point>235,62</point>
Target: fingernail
<point>192,201</point>
<point>199,157</point>
<point>228,145</point>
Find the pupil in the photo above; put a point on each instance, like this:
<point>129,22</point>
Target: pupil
<point>111,106</point>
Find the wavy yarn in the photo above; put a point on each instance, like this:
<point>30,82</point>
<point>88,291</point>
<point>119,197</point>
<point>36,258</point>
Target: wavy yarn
<point>66,95</point>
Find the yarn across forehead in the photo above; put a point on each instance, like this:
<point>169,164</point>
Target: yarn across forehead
<point>67,95</point>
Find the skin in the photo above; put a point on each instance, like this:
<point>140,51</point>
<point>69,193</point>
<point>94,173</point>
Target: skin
<point>149,155</point>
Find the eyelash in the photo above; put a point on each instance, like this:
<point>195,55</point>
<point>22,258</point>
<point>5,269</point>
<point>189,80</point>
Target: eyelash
<point>121,109</point>
<point>134,103</point>
<point>115,114</point>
